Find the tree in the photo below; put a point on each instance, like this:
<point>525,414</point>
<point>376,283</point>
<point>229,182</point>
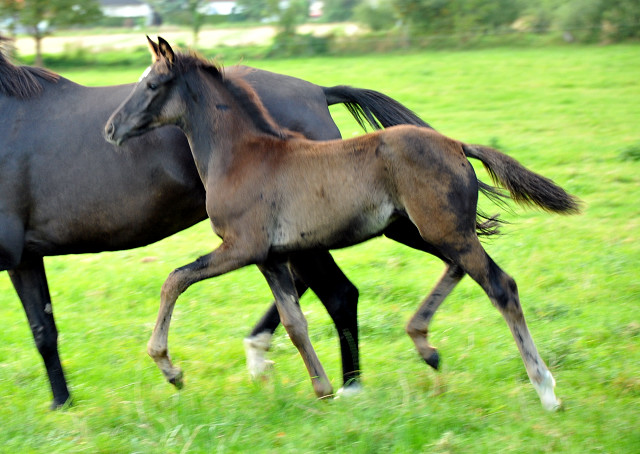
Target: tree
<point>338,10</point>
<point>259,9</point>
<point>484,16</point>
<point>593,20</point>
<point>377,15</point>
<point>38,16</point>
<point>624,16</point>
<point>425,16</point>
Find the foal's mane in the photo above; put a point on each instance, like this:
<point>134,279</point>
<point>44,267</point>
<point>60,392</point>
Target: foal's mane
<point>21,82</point>
<point>242,92</point>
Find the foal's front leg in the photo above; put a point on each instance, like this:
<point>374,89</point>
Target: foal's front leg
<point>280,280</point>
<point>224,259</point>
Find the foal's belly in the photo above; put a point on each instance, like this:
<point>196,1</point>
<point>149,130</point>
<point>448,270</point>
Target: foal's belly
<point>331,227</point>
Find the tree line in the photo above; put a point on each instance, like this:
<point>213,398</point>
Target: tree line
<point>580,20</point>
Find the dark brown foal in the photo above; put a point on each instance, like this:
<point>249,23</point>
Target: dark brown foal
<point>271,193</point>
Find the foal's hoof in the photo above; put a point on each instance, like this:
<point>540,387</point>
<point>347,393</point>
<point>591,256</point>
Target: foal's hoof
<point>177,380</point>
<point>322,388</point>
<point>546,393</point>
<point>433,360</point>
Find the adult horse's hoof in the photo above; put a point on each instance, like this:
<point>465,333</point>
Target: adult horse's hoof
<point>433,360</point>
<point>57,405</point>
<point>256,348</point>
<point>348,390</point>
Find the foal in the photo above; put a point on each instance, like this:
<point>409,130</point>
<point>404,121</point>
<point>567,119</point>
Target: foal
<point>263,209</point>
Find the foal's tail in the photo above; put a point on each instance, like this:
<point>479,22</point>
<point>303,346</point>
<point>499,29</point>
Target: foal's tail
<point>370,107</point>
<point>524,186</point>
<point>378,111</point>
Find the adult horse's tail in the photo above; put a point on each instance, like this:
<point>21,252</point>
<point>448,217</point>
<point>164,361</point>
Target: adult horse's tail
<point>524,186</point>
<point>370,107</point>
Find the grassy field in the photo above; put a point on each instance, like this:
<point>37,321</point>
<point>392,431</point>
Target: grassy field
<point>569,113</point>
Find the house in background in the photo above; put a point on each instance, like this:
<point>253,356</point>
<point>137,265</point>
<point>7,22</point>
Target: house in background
<point>219,7</point>
<point>137,9</point>
<point>129,10</point>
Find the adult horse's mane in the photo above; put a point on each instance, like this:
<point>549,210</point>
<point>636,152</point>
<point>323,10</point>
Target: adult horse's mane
<point>22,82</point>
<point>242,92</point>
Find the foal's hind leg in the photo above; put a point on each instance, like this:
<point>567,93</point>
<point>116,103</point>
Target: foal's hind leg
<point>279,277</point>
<point>503,293</point>
<point>404,231</point>
<point>418,326</point>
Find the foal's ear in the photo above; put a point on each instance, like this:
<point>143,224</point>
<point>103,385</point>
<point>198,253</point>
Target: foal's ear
<point>165,50</point>
<point>153,48</point>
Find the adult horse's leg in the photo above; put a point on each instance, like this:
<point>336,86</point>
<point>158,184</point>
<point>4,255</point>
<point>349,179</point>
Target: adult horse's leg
<point>319,271</point>
<point>340,297</point>
<point>279,277</point>
<point>418,326</point>
<point>30,281</point>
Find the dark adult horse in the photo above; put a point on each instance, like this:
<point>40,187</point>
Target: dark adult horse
<point>64,191</point>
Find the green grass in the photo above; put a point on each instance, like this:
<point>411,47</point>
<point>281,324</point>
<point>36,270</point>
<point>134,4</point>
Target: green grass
<point>568,113</point>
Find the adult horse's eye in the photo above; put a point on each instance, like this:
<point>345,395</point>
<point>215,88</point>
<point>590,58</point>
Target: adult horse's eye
<point>152,86</point>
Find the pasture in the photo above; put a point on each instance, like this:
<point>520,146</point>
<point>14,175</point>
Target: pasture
<point>568,113</point>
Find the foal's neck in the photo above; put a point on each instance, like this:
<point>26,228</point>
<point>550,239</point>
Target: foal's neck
<point>213,123</point>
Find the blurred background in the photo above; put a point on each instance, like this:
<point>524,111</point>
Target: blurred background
<point>277,28</point>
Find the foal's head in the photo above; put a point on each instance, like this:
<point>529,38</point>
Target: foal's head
<point>162,93</point>
<point>155,100</point>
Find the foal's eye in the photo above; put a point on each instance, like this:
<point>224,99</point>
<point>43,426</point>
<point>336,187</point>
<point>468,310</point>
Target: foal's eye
<point>152,85</point>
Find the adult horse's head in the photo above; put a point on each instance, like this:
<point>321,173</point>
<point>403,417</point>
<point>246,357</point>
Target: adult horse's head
<point>153,101</point>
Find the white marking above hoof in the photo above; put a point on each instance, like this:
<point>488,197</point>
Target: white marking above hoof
<point>351,390</point>
<point>547,396</point>
<point>255,348</point>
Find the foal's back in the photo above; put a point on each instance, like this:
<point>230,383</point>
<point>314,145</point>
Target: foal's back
<point>337,193</point>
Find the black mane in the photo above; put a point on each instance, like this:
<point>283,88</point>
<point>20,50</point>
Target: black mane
<point>22,82</point>
<point>242,92</point>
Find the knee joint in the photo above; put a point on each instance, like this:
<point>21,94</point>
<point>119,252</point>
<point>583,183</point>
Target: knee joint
<point>46,341</point>
<point>296,328</point>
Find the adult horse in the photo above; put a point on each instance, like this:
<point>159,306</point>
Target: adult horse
<point>351,190</point>
<point>64,191</point>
